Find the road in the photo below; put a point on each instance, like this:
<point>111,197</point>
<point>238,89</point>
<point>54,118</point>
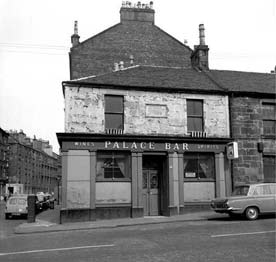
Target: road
<point>214,240</point>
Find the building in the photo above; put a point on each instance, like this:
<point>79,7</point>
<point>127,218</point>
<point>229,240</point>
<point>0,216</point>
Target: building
<point>148,126</point>
<point>148,137</point>
<point>3,160</point>
<point>253,123</point>
<point>33,167</point>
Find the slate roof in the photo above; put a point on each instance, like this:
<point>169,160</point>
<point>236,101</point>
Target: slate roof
<point>149,77</point>
<point>168,78</point>
<point>238,81</point>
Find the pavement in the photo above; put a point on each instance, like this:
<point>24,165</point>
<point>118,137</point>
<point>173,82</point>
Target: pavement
<point>48,221</point>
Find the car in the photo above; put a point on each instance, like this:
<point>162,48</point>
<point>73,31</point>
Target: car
<point>249,200</point>
<point>17,205</point>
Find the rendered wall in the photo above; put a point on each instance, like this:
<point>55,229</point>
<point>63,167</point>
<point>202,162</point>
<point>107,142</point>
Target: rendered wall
<point>148,114</point>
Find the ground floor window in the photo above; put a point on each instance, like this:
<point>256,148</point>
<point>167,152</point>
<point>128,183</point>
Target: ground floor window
<point>113,166</point>
<point>199,166</point>
<point>269,163</point>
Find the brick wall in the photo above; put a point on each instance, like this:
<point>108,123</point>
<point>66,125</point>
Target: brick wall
<point>148,44</point>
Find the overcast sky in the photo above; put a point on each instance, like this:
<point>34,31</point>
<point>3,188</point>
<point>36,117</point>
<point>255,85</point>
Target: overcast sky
<point>35,41</point>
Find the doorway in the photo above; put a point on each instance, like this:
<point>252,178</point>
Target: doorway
<point>153,184</point>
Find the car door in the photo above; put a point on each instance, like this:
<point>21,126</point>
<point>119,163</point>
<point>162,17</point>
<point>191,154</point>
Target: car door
<point>266,199</point>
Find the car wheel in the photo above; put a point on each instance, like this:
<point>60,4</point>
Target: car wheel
<point>7,215</point>
<point>251,213</point>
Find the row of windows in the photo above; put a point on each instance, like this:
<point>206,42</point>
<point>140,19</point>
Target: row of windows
<point>116,165</point>
<point>114,115</point>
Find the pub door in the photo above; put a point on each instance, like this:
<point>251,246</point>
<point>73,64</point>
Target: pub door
<point>151,192</point>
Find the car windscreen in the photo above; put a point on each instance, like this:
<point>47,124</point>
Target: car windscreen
<point>12,201</point>
<point>240,191</point>
<point>22,201</point>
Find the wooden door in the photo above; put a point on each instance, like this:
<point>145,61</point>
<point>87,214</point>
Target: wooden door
<point>151,192</point>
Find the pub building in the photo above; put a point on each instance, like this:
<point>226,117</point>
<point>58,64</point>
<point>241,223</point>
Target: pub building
<point>153,149</point>
<point>145,136</point>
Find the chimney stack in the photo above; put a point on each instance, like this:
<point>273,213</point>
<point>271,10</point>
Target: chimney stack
<point>75,37</point>
<point>137,12</point>
<point>199,57</point>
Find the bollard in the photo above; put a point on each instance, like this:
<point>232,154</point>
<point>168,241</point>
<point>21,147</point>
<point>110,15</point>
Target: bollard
<point>31,208</point>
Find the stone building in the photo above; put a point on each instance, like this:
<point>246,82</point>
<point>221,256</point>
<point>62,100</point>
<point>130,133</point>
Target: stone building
<point>3,160</point>
<point>33,167</point>
<point>148,124</point>
<point>146,136</point>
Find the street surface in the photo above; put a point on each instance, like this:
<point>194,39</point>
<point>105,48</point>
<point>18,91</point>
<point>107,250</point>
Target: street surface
<point>211,240</point>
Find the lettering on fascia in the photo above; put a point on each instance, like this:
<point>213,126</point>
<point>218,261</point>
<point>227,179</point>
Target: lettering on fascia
<point>176,147</point>
<point>83,143</point>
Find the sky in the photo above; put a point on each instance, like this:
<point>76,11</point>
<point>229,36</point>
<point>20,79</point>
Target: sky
<point>35,42</point>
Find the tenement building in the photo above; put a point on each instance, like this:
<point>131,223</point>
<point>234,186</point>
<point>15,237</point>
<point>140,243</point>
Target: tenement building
<point>148,124</point>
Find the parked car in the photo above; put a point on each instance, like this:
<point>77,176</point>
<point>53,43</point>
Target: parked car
<point>16,205</point>
<point>249,200</point>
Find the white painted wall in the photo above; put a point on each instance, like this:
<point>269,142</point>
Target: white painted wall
<point>113,192</point>
<point>199,191</point>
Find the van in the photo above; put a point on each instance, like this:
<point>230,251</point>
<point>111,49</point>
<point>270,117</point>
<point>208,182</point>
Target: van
<point>17,205</point>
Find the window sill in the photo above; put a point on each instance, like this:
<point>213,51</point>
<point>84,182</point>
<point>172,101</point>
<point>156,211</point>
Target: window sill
<point>268,136</point>
<point>198,180</point>
<point>113,180</point>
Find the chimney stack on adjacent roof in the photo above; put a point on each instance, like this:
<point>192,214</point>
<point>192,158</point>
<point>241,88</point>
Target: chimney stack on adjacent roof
<point>199,57</point>
<point>75,37</point>
<point>137,12</point>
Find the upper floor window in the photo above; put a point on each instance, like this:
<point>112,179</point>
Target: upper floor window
<point>114,112</point>
<point>269,119</point>
<point>195,115</point>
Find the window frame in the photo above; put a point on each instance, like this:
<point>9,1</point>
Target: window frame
<point>190,116</point>
<point>197,178</point>
<point>127,155</point>
<point>110,113</point>
<point>268,119</point>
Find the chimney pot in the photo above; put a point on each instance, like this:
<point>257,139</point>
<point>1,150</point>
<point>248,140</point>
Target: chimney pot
<point>121,65</point>
<point>75,37</point>
<point>201,34</point>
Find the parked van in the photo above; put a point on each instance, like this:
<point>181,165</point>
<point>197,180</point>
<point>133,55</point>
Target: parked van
<point>17,205</point>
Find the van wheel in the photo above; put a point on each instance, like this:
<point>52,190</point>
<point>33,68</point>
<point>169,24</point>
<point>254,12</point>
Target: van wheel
<point>7,215</point>
<point>251,213</point>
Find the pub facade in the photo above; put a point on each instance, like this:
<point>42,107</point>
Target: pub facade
<point>131,151</point>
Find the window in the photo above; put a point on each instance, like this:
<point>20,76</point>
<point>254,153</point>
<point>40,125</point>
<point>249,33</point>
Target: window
<point>269,119</point>
<point>114,112</point>
<point>194,115</point>
<point>113,166</point>
<point>269,168</point>
<point>199,166</point>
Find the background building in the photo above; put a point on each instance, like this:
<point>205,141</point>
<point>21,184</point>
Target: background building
<point>33,167</point>
<point>4,147</point>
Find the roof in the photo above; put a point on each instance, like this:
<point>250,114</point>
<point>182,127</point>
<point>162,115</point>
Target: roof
<point>183,79</point>
<point>238,81</point>
<point>153,77</point>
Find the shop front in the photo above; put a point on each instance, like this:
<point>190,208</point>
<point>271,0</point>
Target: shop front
<point>106,177</point>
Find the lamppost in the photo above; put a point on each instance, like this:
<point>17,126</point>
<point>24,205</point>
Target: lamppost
<point>58,183</point>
